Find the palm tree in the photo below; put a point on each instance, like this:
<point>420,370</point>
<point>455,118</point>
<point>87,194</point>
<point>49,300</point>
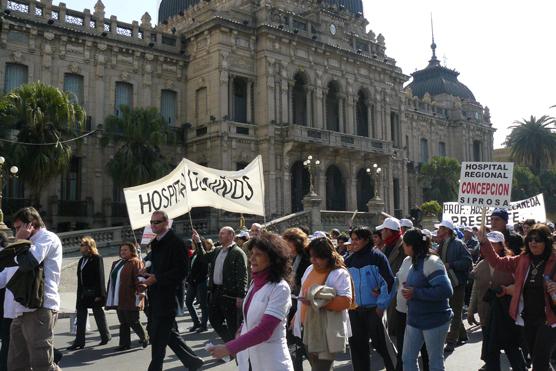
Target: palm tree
<point>138,160</point>
<point>532,142</point>
<point>41,114</point>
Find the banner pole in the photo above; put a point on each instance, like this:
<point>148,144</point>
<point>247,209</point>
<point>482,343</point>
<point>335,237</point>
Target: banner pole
<point>483,218</point>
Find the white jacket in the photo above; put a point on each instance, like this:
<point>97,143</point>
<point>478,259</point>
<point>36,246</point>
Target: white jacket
<point>273,299</point>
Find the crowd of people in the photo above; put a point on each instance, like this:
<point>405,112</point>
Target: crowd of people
<point>277,299</point>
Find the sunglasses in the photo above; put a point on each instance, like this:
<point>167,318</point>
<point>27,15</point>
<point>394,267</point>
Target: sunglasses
<point>157,222</point>
<point>536,239</point>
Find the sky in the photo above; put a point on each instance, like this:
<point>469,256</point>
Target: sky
<point>504,50</point>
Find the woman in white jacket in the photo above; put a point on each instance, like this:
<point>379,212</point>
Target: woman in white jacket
<point>262,344</point>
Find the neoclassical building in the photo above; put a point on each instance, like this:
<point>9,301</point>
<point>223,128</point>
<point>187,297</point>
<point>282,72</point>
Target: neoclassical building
<point>238,78</point>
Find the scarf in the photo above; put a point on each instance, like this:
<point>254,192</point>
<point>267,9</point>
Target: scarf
<point>391,241</point>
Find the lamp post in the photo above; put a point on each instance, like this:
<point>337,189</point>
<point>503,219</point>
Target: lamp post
<point>375,172</point>
<point>13,173</point>
<point>311,166</point>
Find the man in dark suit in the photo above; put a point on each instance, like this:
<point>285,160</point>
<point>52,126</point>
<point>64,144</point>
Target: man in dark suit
<point>168,269</point>
<point>227,284</point>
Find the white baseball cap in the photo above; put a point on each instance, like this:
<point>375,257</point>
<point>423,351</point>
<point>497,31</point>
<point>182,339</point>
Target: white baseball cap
<point>243,234</point>
<point>468,229</point>
<point>406,223</point>
<point>317,234</point>
<point>496,237</point>
<point>447,224</point>
<point>427,233</point>
<point>390,223</point>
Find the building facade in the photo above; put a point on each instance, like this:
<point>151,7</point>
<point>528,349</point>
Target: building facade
<point>285,79</point>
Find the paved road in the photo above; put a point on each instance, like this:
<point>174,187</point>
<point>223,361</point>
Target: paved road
<point>95,358</point>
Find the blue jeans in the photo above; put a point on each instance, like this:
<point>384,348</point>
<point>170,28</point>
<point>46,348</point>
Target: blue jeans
<point>434,339</point>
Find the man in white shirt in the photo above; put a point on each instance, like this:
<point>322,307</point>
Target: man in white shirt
<point>31,333</point>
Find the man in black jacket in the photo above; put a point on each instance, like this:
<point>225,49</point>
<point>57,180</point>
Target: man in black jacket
<point>228,285</point>
<point>168,269</point>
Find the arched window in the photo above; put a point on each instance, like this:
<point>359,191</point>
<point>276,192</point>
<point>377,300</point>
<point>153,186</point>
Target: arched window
<point>299,100</point>
<point>365,189</point>
<point>335,189</point>
<point>362,114</point>
<point>299,185</point>
<point>239,99</point>
<point>333,107</point>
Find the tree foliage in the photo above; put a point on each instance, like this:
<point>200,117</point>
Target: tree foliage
<point>40,114</point>
<point>548,185</point>
<point>139,133</point>
<point>532,143</point>
<point>525,184</point>
<point>439,178</point>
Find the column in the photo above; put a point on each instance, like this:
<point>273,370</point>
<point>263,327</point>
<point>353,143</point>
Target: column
<point>350,116</point>
<point>341,114</point>
<point>284,101</point>
<point>371,120</point>
<point>224,94</point>
<point>291,84</point>
<point>318,102</point>
<point>62,13</point>
<point>231,112</point>
<point>309,104</point>
<point>113,25</point>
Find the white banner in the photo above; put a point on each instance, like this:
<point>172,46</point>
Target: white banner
<point>148,233</point>
<point>487,184</point>
<point>531,208</point>
<point>191,185</point>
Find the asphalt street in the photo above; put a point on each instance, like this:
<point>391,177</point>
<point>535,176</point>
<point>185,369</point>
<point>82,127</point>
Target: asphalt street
<point>95,358</point>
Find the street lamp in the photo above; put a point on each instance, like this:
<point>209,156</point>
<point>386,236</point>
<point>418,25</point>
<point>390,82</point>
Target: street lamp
<point>311,166</point>
<point>13,173</point>
<point>375,173</point>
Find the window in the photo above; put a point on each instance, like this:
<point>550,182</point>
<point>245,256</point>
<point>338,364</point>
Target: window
<point>299,98</point>
<point>477,151</point>
<point>424,154</point>
<point>397,199</point>
<point>299,25</point>
<point>16,75</point>
<point>395,130</point>
<point>71,187</point>
<point>241,165</point>
<point>124,97</point>
<point>168,106</point>
<point>333,107</point>
<point>362,115</point>
<point>73,84</point>
<point>442,149</point>
<point>239,97</point>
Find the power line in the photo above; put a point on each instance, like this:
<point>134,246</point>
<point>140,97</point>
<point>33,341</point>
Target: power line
<point>50,144</point>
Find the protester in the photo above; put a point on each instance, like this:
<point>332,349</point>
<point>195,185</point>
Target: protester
<point>378,242</point>
<point>531,305</point>
<point>241,238</point>
<point>499,222</point>
<point>393,249</point>
<point>262,344</point>
<point>91,293</point>
<point>123,295</point>
<point>164,279</point>
<point>427,291</point>
<point>227,284</point>
<point>7,301</point>
<point>31,332</point>
<point>498,333</point>
<point>458,263</point>
<point>372,279</point>
<point>297,241</point>
<point>471,243</point>
<point>405,225</point>
<point>197,284</point>
<point>527,225</point>
<point>255,230</point>
<point>341,241</point>
<point>322,309</point>
<point>334,234</point>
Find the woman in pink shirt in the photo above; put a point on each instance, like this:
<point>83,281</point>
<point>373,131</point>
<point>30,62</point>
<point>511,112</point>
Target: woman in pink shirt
<point>262,344</point>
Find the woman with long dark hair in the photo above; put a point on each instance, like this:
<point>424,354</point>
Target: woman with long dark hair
<point>427,290</point>
<point>261,344</point>
<point>91,293</point>
<point>123,295</point>
<point>531,305</point>
<point>322,308</point>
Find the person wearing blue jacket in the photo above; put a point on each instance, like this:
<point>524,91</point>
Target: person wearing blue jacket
<point>372,281</point>
<point>427,290</point>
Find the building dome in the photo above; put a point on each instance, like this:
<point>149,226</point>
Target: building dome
<point>436,79</point>
<point>170,8</point>
<point>354,6</point>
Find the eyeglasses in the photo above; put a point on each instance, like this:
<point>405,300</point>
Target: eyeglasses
<point>157,222</point>
<point>536,239</point>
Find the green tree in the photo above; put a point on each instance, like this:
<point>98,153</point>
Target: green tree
<point>140,132</point>
<point>525,184</point>
<point>532,143</point>
<point>439,178</point>
<point>548,184</point>
<point>40,114</point>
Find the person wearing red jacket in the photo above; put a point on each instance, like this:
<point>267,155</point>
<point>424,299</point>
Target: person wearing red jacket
<point>531,305</point>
